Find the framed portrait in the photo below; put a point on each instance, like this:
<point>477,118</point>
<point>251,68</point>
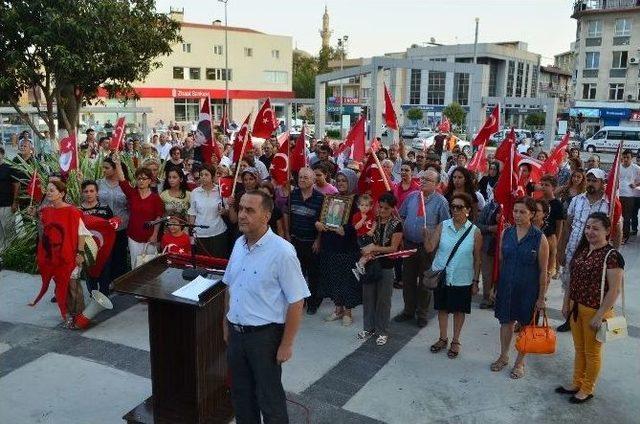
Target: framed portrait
<point>336,210</point>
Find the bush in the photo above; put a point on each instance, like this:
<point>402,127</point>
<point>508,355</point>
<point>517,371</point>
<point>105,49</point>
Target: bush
<point>333,134</point>
<point>20,254</point>
<point>415,114</point>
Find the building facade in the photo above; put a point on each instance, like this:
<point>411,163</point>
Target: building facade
<point>556,83</point>
<point>259,66</point>
<point>607,71</point>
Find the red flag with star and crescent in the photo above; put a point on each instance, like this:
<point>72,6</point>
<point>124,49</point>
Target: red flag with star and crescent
<point>280,163</point>
<point>479,161</point>
<point>356,140</point>
<point>266,122</point>
<point>491,125</point>
<point>372,179</point>
<point>103,232</point>
<point>118,135</point>
<point>389,113</point>
<point>242,142</point>
<point>552,164</point>
<point>68,153</point>
<point>34,188</point>
<point>611,191</point>
<point>226,186</point>
<point>508,179</point>
<point>298,156</point>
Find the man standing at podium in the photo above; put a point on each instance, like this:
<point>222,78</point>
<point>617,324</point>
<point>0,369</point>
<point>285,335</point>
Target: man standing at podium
<point>264,302</point>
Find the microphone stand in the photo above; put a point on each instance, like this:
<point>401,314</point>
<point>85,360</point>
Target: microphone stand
<point>192,237</point>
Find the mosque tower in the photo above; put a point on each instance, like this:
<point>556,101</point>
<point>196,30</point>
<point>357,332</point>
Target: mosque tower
<point>325,32</point>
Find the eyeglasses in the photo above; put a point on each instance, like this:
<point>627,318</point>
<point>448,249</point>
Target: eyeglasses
<point>142,178</point>
<point>457,207</point>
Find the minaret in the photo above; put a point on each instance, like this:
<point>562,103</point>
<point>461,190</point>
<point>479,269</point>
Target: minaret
<point>325,33</point>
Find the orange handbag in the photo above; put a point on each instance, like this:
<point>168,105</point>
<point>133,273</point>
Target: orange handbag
<point>537,339</point>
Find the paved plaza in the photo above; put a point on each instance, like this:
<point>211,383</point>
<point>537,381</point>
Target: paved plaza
<point>52,375</point>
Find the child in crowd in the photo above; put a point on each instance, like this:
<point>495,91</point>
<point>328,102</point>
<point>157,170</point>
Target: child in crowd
<point>364,222</point>
<point>175,240</point>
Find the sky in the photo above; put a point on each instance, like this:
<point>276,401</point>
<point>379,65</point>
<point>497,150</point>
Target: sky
<point>376,27</point>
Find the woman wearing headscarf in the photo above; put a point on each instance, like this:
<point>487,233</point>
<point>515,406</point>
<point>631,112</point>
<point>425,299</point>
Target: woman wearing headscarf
<point>338,252</point>
<point>488,182</point>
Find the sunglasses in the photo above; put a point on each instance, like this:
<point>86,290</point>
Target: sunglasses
<point>457,207</point>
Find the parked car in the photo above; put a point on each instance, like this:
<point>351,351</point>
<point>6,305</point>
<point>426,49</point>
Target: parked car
<point>521,135</point>
<point>424,143</point>
<point>607,139</point>
<point>409,132</point>
<point>425,132</point>
<point>538,135</point>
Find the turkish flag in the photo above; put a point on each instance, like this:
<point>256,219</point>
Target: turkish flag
<point>35,192</point>
<point>204,133</point>
<point>68,153</point>
<point>421,211</point>
<point>491,125</point>
<point>104,234</point>
<point>266,122</point>
<point>56,251</point>
<point>611,191</point>
<point>389,113</point>
<point>118,135</point>
<point>372,179</point>
<point>536,166</point>
<point>479,161</point>
<point>224,122</point>
<point>280,162</point>
<point>356,140</point>
<point>508,179</point>
<point>226,186</point>
<point>242,141</point>
<point>552,164</point>
<point>298,158</point>
<point>445,125</point>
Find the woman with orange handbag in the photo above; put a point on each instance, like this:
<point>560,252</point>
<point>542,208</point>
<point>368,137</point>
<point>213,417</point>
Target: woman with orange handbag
<point>585,303</point>
<point>521,289</point>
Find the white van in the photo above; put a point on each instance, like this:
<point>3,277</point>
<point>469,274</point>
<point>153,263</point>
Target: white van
<point>607,139</point>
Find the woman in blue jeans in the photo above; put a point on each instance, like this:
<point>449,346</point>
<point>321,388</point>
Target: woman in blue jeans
<point>524,255</point>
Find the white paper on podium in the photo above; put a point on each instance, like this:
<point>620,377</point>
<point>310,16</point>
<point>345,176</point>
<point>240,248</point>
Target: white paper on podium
<point>193,289</point>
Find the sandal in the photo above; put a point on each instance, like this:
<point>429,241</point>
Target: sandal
<point>499,364</point>
<point>333,317</point>
<point>517,371</point>
<point>452,354</point>
<point>347,320</point>
<point>439,345</point>
<point>364,334</point>
<point>381,340</point>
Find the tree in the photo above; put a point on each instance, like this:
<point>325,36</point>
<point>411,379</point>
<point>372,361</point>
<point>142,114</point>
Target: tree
<point>455,113</point>
<point>68,50</point>
<point>536,119</point>
<point>305,69</point>
<point>415,114</point>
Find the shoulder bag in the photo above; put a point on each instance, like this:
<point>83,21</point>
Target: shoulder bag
<point>537,339</point>
<point>613,328</point>
<point>432,279</point>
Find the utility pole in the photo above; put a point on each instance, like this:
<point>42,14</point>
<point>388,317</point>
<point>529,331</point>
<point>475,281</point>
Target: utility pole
<point>475,43</point>
<point>226,61</point>
<point>342,45</point>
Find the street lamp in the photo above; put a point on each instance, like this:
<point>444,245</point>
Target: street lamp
<point>342,46</point>
<point>226,61</point>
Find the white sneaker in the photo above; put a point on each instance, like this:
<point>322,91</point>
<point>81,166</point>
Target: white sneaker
<point>356,273</point>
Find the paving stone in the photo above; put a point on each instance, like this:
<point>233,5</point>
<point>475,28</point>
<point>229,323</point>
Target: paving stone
<point>130,328</point>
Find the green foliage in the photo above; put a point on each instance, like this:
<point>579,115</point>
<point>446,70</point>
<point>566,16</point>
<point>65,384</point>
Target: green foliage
<point>415,114</point>
<point>335,134</point>
<point>70,48</point>
<point>535,119</point>
<point>455,113</point>
<point>305,69</point>
<point>20,253</point>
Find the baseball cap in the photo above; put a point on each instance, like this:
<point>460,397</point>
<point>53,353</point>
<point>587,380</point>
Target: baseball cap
<point>598,173</point>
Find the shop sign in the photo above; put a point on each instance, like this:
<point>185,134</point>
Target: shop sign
<point>189,93</point>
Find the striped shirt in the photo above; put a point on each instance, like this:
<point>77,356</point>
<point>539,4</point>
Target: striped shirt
<point>579,210</point>
<point>305,214</point>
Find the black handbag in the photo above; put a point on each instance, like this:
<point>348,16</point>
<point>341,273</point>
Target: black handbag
<point>431,279</point>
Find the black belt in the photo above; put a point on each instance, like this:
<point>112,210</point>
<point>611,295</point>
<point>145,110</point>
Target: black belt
<point>252,328</point>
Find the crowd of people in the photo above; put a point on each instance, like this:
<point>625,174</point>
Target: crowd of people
<point>445,215</point>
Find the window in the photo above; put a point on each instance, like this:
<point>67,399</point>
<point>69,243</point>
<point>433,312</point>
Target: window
<point>217,49</point>
<point>632,135</point>
<point>186,47</point>
<point>526,80</point>
<point>194,73</point>
<point>186,109</point>
<point>218,74</point>
<point>519,78</point>
<point>493,79</point>
<point>589,91</point>
<point>619,60</point>
<point>364,95</point>
<point>616,91</point>
<point>622,28</point>
<point>592,60</point>
<point>594,29</point>
<point>534,82</point>
<point>461,89</point>
<point>511,74</point>
<point>178,72</point>
<point>414,86</point>
<point>438,59</point>
<point>248,51</point>
<point>435,88</point>
<point>615,135</point>
<point>275,77</point>
<point>275,54</point>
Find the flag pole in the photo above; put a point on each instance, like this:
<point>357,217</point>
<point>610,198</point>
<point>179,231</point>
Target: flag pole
<point>244,146</point>
<point>384,176</point>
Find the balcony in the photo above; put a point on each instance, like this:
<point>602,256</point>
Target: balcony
<point>583,7</point>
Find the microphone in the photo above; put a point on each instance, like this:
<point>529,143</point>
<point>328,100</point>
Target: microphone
<point>150,224</point>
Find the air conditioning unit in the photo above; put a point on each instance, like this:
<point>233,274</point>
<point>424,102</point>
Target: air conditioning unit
<point>634,60</point>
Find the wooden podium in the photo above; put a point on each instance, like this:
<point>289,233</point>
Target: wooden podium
<point>188,362</point>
